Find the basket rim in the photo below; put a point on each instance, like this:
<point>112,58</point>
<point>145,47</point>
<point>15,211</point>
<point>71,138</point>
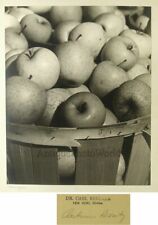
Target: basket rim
<point>64,136</point>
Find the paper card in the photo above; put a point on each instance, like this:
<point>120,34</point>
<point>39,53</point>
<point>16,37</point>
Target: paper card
<point>93,209</point>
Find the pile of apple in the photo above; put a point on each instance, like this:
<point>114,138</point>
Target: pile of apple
<point>73,66</point>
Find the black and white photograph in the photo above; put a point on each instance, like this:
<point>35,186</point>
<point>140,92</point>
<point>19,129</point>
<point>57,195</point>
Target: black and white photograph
<point>78,94</point>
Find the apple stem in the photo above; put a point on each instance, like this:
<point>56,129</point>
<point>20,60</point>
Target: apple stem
<point>23,29</point>
<point>125,60</point>
<point>82,108</point>
<point>130,47</point>
<point>30,77</point>
<point>78,37</point>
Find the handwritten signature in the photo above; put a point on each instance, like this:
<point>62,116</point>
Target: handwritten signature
<point>73,213</point>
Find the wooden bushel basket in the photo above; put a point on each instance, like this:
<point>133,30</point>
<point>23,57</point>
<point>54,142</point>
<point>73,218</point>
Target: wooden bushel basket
<point>32,153</point>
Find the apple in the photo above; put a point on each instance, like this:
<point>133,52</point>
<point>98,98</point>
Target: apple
<point>66,163</point>
<point>105,78</point>
<point>120,13</point>
<point>146,77</point>
<point>11,21</point>
<point>132,100</point>
<point>40,9</point>
<point>25,100</point>
<point>90,35</point>
<point>82,109</point>
<point>39,65</point>
<point>81,88</point>
<point>15,39</point>
<point>63,30</point>
<point>112,23</point>
<point>13,52</point>
<point>136,70</point>
<point>122,51</point>
<point>91,12</point>
<point>36,28</point>
<point>110,118</point>
<point>59,14</point>
<point>145,62</point>
<point>19,13</point>
<point>55,97</point>
<point>75,62</point>
<point>142,40</point>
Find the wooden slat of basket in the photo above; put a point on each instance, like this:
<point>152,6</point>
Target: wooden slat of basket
<point>32,164</point>
<point>68,136</point>
<point>97,161</point>
<point>139,163</point>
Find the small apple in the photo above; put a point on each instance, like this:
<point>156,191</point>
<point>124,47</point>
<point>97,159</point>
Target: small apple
<point>146,77</point>
<point>11,21</point>
<point>83,109</point>
<point>36,28</point>
<point>132,100</point>
<point>15,39</point>
<point>90,13</point>
<point>105,78</point>
<point>112,23</point>
<point>59,14</point>
<point>142,40</point>
<point>66,163</point>
<point>19,13</point>
<point>110,118</point>
<point>25,100</point>
<point>90,35</point>
<point>122,51</point>
<point>55,97</point>
<point>63,29</point>
<point>82,88</point>
<point>39,65</point>
<point>75,62</point>
<point>13,52</point>
<point>40,9</point>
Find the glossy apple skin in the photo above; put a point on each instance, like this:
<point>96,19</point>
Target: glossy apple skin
<point>118,49</point>
<point>90,35</point>
<point>82,110</point>
<point>25,100</point>
<point>142,40</point>
<point>14,39</point>
<point>105,78</point>
<point>91,12</point>
<point>59,14</point>
<point>37,28</point>
<point>76,64</point>
<point>63,29</point>
<point>146,78</point>
<point>113,24</point>
<point>19,13</point>
<point>40,65</point>
<point>132,100</point>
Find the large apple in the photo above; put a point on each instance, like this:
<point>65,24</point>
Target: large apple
<point>76,64</point>
<point>55,97</point>
<point>25,100</point>
<point>122,51</point>
<point>132,100</point>
<point>14,38</point>
<point>39,65</point>
<point>91,12</point>
<point>113,24</point>
<point>105,78</point>
<point>19,13</point>
<point>59,14</point>
<point>142,40</point>
<point>36,28</point>
<point>90,35</point>
<point>11,21</point>
<point>63,30</point>
<point>83,109</point>
<point>146,78</point>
